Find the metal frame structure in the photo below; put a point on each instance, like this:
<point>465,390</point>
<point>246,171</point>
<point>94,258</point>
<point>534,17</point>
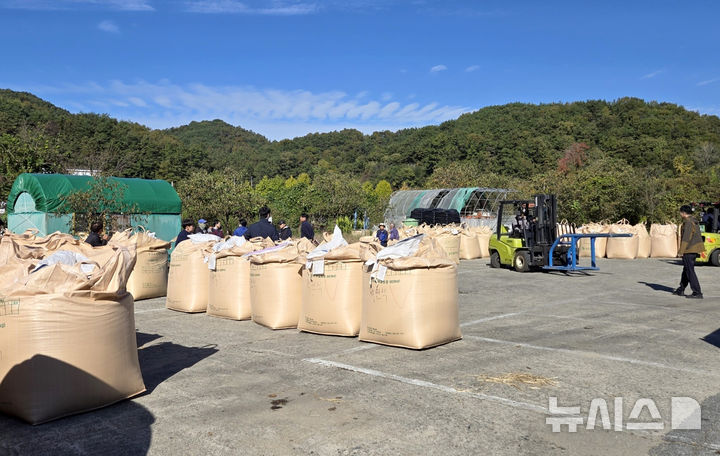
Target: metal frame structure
<point>477,206</point>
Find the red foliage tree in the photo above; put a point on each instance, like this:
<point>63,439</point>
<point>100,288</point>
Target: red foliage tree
<point>574,157</point>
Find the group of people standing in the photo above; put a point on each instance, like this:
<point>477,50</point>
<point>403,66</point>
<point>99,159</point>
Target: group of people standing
<point>262,228</point>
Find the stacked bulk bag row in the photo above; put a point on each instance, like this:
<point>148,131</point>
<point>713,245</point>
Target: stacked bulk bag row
<point>188,279</point>
<point>405,295</point>
<point>67,331</point>
<point>638,245</point>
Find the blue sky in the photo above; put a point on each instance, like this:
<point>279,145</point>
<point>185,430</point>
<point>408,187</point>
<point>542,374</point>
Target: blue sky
<point>285,68</point>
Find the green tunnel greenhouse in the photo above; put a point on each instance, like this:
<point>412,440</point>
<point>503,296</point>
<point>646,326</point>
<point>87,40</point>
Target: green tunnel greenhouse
<point>35,202</point>
<point>477,206</point>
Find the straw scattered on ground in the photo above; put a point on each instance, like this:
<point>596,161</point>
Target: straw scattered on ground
<point>516,380</point>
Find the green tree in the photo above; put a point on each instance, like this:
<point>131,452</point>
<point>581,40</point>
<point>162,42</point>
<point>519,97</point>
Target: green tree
<point>103,200</point>
<point>223,196</point>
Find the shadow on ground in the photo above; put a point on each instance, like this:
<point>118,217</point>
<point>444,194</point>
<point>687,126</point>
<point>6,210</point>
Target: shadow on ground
<point>659,287</point>
<point>704,441</point>
<point>120,429</point>
<point>161,361</point>
<point>713,338</point>
<point>43,388</point>
<point>145,338</point>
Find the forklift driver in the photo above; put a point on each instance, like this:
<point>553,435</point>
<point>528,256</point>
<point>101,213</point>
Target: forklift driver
<point>520,225</point>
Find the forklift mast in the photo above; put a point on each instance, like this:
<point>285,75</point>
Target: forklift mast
<point>546,219</point>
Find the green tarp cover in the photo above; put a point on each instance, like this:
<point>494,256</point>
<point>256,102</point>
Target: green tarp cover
<point>148,196</point>
<point>461,198</point>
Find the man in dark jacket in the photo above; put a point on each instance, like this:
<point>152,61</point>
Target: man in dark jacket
<point>306,229</point>
<point>691,245</point>
<point>96,238</point>
<point>262,228</point>
<point>382,235</point>
<point>187,230</point>
<point>285,231</point>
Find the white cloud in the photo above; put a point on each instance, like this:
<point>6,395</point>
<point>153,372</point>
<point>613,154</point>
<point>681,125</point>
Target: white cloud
<point>472,68</point>
<point>137,102</point>
<point>652,75</point>
<point>267,111</point>
<point>108,26</point>
<point>709,81</point>
<point>42,5</point>
<point>276,8</point>
<point>438,68</point>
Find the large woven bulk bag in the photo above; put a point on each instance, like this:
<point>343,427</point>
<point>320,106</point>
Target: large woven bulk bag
<point>469,246</point>
<point>150,276</point>
<point>644,241</point>
<point>663,239</point>
<point>483,235</point>
<point>625,248</point>
<point>449,240</point>
<point>411,299</point>
<point>30,245</point>
<point>67,337</point>
<point>229,287</point>
<point>332,288</point>
<point>19,246</point>
<point>584,249</point>
<point>276,286</point>
<point>188,279</point>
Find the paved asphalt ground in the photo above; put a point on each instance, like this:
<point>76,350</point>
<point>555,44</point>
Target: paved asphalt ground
<point>225,387</point>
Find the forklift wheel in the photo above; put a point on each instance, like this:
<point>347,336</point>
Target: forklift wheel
<point>494,259</point>
<point>715,257</point>
<point>522,261</point>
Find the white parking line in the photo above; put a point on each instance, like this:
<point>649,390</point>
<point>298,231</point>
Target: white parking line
<point>430,385</point>
<point>594,355</point>
<point>598,320</point>
<point>496,317</point>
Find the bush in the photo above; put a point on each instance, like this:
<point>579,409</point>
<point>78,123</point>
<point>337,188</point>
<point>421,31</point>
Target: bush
<point>345,223</point>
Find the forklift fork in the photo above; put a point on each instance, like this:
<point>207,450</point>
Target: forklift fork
<point>572,253</point>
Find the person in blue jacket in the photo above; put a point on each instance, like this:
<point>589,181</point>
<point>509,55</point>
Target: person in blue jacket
<point>241,229</point>
<point>382,235</point>
<point>262,228</point>
<point>188,228</point>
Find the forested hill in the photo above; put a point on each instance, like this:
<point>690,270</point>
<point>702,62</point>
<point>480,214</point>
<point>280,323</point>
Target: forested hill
<point>516,140</point>
<point>224,144</point>
<point>508,144</point>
